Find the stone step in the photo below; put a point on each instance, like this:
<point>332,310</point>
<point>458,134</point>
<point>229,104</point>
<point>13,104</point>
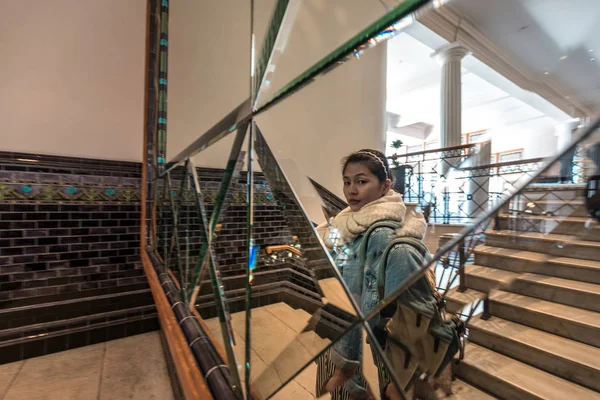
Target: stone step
<point>573,191</point>
<point>543,206</point>
<point>574,293</point>
<point>461,390</point>
<point>456,301</point>
<point>582,227</point>
<point>508,378</point>
<point>52,337</point>
<point>559,319</point>
<point>296,319</point>
<point>69,305</point>
<point>553,244</point>
<point>538,263</point>
<point>571,360</point>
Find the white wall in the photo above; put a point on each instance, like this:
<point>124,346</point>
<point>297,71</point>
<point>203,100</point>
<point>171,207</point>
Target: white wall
<point>309,132</point>
<point>73,77</point>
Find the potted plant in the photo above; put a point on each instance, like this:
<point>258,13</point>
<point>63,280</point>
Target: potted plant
<point>399,171</point>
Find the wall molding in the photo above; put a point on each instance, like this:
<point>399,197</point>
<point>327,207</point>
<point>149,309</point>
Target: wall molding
<point>455,27</point>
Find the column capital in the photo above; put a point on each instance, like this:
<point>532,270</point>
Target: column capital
<point>451,52</point>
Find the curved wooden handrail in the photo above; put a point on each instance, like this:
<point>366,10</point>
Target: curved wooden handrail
<point>205,327</point>
<point>282,247</point>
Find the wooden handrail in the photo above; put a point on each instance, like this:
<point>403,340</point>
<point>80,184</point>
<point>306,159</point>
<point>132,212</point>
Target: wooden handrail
<point>283,247</point>
<point>416,153</point>
<point>505,164</point>
<point>188,373</point>
<point>205,327</point>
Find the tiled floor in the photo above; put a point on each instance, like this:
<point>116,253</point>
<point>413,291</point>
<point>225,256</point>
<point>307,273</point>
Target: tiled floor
<point>280,347</point>
<point>129,368</point>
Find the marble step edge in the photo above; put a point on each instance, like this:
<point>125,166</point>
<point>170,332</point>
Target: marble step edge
<point>542,258</point>
<point>501,276</point>
<point>539,341</point>
<point>68,331</point>
<point>31,307</point>
<point>515,376</point>
<point>546,237</point>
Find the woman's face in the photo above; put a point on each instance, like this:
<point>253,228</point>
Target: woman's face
<point>361,186</point>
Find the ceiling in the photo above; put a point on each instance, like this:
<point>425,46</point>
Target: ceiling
<point>557,40</point>
<point>413,92</point>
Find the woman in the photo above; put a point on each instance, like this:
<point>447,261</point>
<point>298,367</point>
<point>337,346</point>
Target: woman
<point>377,244</point>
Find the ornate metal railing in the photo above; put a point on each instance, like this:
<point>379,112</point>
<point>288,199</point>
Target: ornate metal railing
<point>426,175</point>
<point>455,192</point>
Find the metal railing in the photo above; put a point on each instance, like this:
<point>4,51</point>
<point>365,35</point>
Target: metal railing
<point>452,190</point>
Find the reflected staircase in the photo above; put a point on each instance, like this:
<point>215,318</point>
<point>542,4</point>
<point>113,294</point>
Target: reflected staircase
<point>542,340</point>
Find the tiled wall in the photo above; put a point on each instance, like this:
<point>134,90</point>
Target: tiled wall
<point>67,225</point>
<point>270,227</point>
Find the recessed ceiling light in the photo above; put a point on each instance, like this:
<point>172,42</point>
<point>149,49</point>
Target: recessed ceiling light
<point>568,97</point>
<point>563,58</point>
<point>27,160</point>
<point>590,50</point>
<point>592,59</point>
<point>546,73</point>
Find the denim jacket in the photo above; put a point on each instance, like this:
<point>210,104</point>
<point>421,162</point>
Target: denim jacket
<point>385,267</point>
<point>361,280</point>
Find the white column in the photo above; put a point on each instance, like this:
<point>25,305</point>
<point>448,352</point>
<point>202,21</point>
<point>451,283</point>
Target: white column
<point>564,132</point>
<point>450,58</point>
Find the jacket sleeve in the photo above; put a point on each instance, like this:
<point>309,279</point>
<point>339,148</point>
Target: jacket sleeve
<point>404,260</point>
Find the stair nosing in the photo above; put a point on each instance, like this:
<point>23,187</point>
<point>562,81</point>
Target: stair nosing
<point>527,277</point>
<point>518,384</point>
<point>76,330</point>
<point>550,351</point>
<point>494,298</point>
<point>69,301</point>
<point>42,325</point>
<point>549,237</point>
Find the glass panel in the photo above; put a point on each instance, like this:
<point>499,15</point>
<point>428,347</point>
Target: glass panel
<point>322,373</point>
<point>288,302</point>
<point>293,279</point>
<point>310,37</point>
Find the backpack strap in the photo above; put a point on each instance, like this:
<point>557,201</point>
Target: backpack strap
<point>364,244</point>
<point>415,243</point>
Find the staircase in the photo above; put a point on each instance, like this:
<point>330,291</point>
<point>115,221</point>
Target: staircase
<point>543,338</point>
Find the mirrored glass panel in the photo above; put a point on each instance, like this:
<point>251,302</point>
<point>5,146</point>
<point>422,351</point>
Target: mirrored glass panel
<point>439,187</point>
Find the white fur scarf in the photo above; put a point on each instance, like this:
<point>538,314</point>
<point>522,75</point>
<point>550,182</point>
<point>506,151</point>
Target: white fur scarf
<point>390,207</point>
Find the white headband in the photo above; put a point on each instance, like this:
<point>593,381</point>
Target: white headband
<point>375,156</point>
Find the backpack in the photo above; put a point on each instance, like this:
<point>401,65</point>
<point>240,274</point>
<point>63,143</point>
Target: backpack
<point>450,331</point>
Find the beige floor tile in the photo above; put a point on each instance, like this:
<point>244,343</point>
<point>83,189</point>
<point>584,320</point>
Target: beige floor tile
<point>135,368</point>
<point>269,335</point>
<point>293,391</point>
<point>313,342</point>
<point>308,378</point>
<point>8,373</point>
<point>73,374</point>
<point>286,314</point>
<point>335,294</point>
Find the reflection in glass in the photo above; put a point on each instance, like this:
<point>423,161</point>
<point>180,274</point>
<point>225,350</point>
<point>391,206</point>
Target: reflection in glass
<point>292,64</point>
<point>293,318</point>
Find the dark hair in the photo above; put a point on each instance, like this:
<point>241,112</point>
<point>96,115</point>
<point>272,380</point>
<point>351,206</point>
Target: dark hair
<point>373,159</point>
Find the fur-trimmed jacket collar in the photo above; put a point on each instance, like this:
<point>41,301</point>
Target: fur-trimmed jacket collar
<point>390,207</point>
